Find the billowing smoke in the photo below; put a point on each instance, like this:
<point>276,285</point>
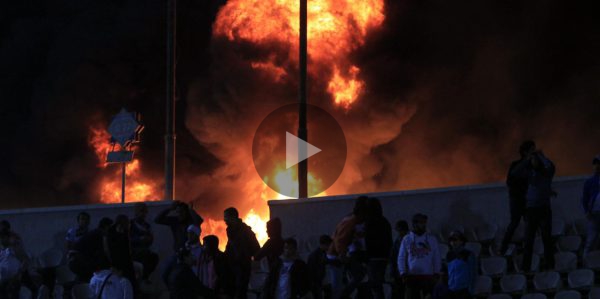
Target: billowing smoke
<point>450,90</point>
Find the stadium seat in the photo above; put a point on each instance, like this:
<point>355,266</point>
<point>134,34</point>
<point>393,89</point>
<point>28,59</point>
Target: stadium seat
<point>25,293</point>
<point>558,227</point>
<point>581,279</point>
<point>493,266</point>
<point>535,263</point>
<point>568,294</point>
<point>594,293</point>
<point>538,246</point>
<point>547,282</point>
<point>565,262</point>
<point>64,275</point>
<point>82,291</point>
<point>486,233</point>
<point>474,247</point>
<point>569,243</point>
<point>580,226</point>
<point>50,258</point>
<point>534,296</point>
<point>513,283</point>
<point>483,286</point>
<point>500,296</point>
<point>592,260</point>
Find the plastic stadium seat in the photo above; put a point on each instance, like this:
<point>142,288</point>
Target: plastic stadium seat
<point>534,296</point>
<point>82,291</point>
<point>565,262</point>
<point>493,266</point>
<point>570,294</point>
<point>538,246</point>
<point>474,247</point>
<point>569,243</point>
<point>547,281</point>
<point>581,279</point>
<point>443,248</point>
<point>64,275</point>
<point>486,233</point>
<point>535,263</point>
<point>558,227</point>
<point>513,283</point>
<point>594,293</point>
<point>592,260</point>
<point>25,293</point>
<point>483,286</point>
<point>500,296</point>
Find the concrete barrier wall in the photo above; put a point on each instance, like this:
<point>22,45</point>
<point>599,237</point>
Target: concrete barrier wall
<point>468,206</point>
<point>45,228</point>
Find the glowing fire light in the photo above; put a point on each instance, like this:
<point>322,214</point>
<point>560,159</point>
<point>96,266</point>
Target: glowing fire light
<point>138,188</point>
<point>335,28</point>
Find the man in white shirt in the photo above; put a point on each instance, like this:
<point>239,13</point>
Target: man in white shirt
<point>419,261</point>
<point>110,284</point>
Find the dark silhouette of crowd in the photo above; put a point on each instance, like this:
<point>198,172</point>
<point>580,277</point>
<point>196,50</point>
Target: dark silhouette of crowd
<point>363,254</point>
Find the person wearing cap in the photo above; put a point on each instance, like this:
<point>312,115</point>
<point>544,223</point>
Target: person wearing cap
<point>419,261</point>
<point>462,267</point>
<point>590,201</point>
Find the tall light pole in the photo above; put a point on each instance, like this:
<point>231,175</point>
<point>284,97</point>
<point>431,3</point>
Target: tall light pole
<point>302,130</point>
<point>170,100</point>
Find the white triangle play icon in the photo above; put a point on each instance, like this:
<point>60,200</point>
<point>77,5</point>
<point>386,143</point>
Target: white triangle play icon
<point>293,155</point>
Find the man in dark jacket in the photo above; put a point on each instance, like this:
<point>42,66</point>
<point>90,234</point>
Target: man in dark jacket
<point>183,283</point>
<point>590,201</point>
<point>317,266</point>
<point>289,277</point>
<point>378,240</point>
<point>241,247</point>
<point>273,248</point>
<point>141,240</point>
<point>183,217</point>
<point>90,255</point>
<point>517,189</point>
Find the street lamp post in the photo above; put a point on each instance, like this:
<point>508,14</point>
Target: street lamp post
<point>302,130</point>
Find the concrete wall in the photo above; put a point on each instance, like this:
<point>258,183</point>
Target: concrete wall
<point>469,206</point>
<point>45,228</point>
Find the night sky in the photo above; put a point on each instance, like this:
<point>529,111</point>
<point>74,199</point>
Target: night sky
<point>481,76</point>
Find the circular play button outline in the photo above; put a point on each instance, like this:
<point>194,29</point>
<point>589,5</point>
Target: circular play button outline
<point>276,156</point>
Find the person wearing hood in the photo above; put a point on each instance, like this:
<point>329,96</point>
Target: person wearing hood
<point>273,248</point>
<point>288,278</point>
<point>241,247</point>
<point>590,201</point>
<point>419,261</point>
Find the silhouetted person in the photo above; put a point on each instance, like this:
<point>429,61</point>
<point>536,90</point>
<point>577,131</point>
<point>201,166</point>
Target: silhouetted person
<point>141,240</point>
<point>539,171</point>
<point>289,277</point>
<point>183,283</point>
<point>182,217</point>
<point>419,261</point>
<point>517,190</point>
<point>10,269</point>
<point>378,241</point>
<point>345,250</point>
<point>193,245</point>
<point>590,201</point>
<point>273,248</point>
<point>241,247</point>
<point>118,249</point>
<point>398,286</point>
<point>212,265</point>
<point>90,255</point>
<point>317,266</point>
<point>75,233</point>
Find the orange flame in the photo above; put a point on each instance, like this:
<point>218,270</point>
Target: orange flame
<point>138,187</point>
<point>335,28</point>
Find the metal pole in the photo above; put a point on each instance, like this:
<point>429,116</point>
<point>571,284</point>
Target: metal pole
<point>302,130</point>
<point>123,172</point>
<point>170,107</point>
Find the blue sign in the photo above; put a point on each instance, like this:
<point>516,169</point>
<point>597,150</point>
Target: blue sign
<point>124,127</point>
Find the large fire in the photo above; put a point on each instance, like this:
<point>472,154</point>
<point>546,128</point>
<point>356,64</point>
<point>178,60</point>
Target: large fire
<point>138,187</point>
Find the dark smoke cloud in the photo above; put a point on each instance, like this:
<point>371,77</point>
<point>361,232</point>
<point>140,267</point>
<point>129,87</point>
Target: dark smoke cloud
<point>452,88</point>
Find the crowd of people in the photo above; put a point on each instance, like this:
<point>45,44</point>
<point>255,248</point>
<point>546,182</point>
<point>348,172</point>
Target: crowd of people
<point>117,260</point>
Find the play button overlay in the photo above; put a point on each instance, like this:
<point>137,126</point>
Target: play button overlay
<point>277,150</point>
<point>292,155</point>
